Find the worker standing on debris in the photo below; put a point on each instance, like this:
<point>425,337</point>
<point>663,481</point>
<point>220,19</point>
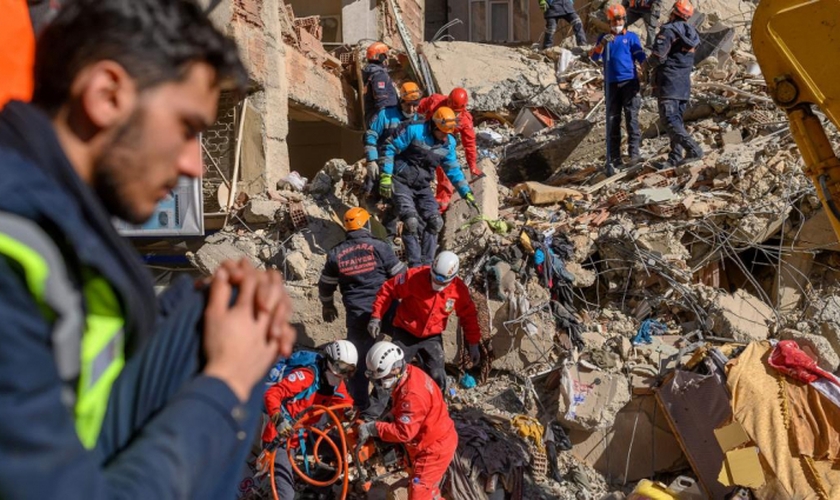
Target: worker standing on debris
<point>457,101</point>
<point>427,296</point>
<point>646,10</point>
<point>106,392</point>
<point>625,51</point>
<point>380,92</point>
<point>321,383</point>
<point>420,419</point>
<point>410,159</point>
<point>553,11</point>
<point>671,61</point>
<point>358,267</point>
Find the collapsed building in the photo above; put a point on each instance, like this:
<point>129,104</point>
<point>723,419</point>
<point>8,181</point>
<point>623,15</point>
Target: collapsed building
<point>648,354</point>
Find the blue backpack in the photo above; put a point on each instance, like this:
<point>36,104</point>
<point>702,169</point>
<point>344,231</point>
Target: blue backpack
<point>298,359</point>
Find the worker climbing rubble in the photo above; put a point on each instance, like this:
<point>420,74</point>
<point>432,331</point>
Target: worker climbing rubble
<point>553,11</point>
<point>457,101</point>
<point>379,92</point>
<point>358,266</point>
<point>623,51</point>
<point>646,10</point>
<point>419,419</point>
<point>410,158</point>
<point>671,60</point>
<point>313,379</point>
<point>427,296</point>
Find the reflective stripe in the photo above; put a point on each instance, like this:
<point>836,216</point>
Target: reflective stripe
<point>88,350</point>
<point>329,280</point>
<point>397,269</point>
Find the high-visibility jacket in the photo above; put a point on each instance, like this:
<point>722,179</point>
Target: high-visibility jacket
<point>423,312</point>
<point>17,56</point>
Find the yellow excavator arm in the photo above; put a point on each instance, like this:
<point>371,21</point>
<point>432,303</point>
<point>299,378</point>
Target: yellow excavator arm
<point>797,44</point>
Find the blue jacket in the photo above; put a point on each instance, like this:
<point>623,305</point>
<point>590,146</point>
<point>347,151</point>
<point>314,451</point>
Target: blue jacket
<point>672,59</point>
<point>41,455</point>
<point>379,89</point>
<point>419,153</point>
<point>383,126</point>
<point>358,266</point>
<point>625,51</point>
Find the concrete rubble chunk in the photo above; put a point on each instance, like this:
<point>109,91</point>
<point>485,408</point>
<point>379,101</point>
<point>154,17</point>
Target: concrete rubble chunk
<point>541,194</point>
<point>591,399</point>
<point>815,346</point>
<point>259,211</point>
<point>296,266</point>
<point>740,316</point>
<point>209,257</point>
<point>654,195</point>
<point>469,240</point>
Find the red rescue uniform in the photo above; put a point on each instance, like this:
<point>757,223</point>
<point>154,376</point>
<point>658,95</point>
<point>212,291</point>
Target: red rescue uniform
<point>423,312</point>
<point>293,384</point>
<point>466,134</point>
<point>422,423</point>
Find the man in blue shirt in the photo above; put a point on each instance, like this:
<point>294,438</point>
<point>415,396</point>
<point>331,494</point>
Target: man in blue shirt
<point>408,167</point>
<point>623,50</point>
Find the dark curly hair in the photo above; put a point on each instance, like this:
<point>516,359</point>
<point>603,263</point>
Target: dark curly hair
<point>156,41</point>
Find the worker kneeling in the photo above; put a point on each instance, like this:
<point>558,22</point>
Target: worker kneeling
<point>321,383</point>
<point>420,419</point>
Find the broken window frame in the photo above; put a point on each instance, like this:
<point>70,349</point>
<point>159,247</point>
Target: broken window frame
<point>488,24</point>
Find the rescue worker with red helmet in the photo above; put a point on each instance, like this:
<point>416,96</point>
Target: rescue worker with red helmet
<point>410,157</point>
<point>427,296</point>
<point>671,61</point>
<point>319,384</point>
<point>358,267</point>
<point>420,419</point>
<point>380,92</point>
<point>647,10</point>
<point>457,100</point>
<point>625,51</point>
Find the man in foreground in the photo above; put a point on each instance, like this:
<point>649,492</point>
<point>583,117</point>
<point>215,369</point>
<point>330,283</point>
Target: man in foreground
<point>105,393</point>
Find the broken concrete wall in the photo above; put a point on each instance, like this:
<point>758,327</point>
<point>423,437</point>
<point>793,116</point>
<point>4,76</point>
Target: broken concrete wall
<point>320,91</point>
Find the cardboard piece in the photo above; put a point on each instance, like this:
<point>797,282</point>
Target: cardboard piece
<point>541,194</point>
<point>742,468</point>
<point>731,436</point>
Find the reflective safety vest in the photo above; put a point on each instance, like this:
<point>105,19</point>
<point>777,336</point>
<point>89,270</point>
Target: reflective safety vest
<point>87,321</point>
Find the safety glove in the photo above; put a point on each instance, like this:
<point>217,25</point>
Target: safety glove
<point>329,312</point>
<point>475,354</point>
<point>373,169</point>
<point>374,327</point>
<point>544,5</point>
<point>385,186</point>
<point>283,426</point>
<point>367,430</point>
<point>471,202</point>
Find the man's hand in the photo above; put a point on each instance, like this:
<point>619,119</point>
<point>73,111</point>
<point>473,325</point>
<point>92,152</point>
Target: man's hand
<point>284,429</point>
<point>475,354</point>
<point>374,327</point>
<point>607,39</point>
<point>385,186</point>
<point>367,430</point>
<point>470,198</point>
<point>242,341</point>
<point>373,169</point>
<point>329,311</point>
<point>543,5</point>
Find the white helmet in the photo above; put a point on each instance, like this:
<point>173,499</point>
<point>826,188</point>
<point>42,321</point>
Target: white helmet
<point>342,358</point>
<point>444,269</point>
<point>385,364</point>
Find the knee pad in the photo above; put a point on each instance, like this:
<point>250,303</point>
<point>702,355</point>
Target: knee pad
<point>412,225</point>
<point>435,224</point>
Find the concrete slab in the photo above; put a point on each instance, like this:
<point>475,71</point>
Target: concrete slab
<point>474,238</point>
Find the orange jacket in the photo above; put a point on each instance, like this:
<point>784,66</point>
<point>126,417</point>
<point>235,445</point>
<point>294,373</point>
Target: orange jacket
<point>293,384</point>
<point>421,420</point>
<point>423,312</point>
<point>17,52</point>
<point>465,130</point>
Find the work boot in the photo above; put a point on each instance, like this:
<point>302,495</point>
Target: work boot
<point>634,160</point>
<point>663,164</point>
<point>692,156</point>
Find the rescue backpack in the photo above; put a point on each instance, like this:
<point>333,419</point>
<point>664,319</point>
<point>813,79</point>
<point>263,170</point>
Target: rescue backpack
<point>298,359</point>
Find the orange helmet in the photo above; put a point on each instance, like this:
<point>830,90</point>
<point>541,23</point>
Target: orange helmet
<point>445,120</point>
<point>683,9</point>
<point>616,11</point>
<point>377,51</point>
<point>410,92</point>
<point>458,99</point>
<point>355,218</point>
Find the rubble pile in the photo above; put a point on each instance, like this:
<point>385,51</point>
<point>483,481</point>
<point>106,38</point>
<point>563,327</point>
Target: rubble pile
<point>624,311</point>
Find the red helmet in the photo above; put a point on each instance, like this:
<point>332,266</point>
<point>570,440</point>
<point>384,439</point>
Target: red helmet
<point>683,9</point>
<point>615,11</point>
<point>377,51</point>
<point>457,100</point>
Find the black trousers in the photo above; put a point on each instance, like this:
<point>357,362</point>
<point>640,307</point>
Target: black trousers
<point>623,98</point>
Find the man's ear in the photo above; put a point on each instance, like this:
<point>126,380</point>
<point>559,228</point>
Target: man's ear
<point>106,92</point>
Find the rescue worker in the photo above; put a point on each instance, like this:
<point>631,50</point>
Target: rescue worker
<point>553,11</point>
<point>671,61</point>
<point>380,92</point>
<point>321,384</point>
<point>418,149</point>
<point>427,296</point>
<point>646,10</point>
<point>622,79</point>
<point>18,54</point>
<point>457,101</point>
<point>381,128</point>
<point>420,419</point>
<point>358,267</point>
<point>106,392</point>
